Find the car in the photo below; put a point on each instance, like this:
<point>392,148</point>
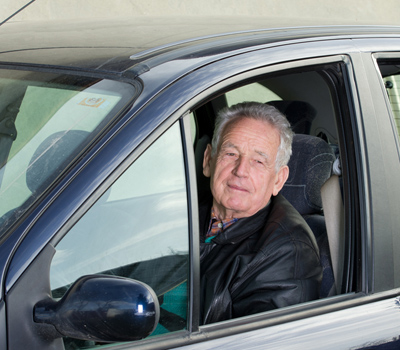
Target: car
<point>103,126</point>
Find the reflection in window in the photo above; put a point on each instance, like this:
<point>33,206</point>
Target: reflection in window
<point>137,229</point>
<point>51,118</point>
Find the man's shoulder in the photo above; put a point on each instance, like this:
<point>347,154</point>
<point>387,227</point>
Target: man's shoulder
<point>287,221</point>
<point>282,211</point>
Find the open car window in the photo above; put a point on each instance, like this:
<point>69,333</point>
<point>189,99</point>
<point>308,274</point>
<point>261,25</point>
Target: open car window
<point>319,186</point>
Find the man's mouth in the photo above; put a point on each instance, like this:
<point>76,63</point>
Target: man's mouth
<point>237,188</point>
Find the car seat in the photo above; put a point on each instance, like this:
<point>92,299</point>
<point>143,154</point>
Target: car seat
<point>203,183</point>
<point>309,169</point>
<point>300,114</point>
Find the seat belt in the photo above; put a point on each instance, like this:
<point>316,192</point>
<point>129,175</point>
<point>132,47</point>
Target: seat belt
<point>334,220</point>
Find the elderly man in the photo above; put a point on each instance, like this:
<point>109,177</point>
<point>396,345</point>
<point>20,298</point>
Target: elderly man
<point>257,252</point>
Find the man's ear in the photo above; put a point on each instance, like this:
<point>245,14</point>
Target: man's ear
<point>280,179</point>
<point>207,161</point>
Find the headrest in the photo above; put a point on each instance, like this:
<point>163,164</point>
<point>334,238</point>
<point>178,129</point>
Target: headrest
<point>203,183</point>
<point>51,158</point>
<point>300,114</point>
<point>309,168</point>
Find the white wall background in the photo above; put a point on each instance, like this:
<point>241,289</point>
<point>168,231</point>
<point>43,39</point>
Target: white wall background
<point>317,11</point>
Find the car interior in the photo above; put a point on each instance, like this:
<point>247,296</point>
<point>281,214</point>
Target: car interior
<point>309,99</point>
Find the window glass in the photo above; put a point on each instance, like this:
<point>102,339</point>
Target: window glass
<point>252,92</point>
<point>46,120</point>
<point>392,84</point>
<point>137,229</point>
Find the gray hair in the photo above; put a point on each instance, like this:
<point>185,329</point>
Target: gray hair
<point>258,111</point>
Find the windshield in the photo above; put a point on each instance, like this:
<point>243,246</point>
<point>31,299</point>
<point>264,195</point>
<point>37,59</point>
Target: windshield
<point>46,121</point>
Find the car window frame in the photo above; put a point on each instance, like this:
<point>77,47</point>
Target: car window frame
<point>296,312</point>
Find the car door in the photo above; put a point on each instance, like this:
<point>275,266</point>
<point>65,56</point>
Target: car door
<point>344,104</point>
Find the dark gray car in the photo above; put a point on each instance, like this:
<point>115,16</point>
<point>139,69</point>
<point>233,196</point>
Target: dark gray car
<point>102,132</point>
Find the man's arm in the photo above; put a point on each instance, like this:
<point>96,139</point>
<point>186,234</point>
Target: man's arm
<point>288,275</point>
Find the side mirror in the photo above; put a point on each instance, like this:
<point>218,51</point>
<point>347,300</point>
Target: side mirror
<point>102,308</point>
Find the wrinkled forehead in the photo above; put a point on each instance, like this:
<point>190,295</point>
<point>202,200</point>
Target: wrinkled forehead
<point>260,135</point>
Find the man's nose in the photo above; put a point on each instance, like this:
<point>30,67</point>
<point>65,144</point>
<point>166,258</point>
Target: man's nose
<point>242,167</point>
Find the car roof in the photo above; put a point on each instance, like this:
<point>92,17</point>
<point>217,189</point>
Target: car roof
<point>116,46</point>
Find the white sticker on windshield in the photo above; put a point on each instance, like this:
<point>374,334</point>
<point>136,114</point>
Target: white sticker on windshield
<point>93,102</point>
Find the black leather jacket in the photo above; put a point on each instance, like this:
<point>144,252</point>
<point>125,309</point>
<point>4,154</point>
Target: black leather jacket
<point>260,263</point>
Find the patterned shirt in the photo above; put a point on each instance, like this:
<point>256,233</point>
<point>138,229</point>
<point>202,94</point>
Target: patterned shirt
<point>216,226</point>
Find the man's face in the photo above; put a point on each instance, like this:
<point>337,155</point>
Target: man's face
<point>242,172</point>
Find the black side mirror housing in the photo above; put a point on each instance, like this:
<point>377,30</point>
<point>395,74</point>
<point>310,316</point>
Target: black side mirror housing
<point>102,308</point>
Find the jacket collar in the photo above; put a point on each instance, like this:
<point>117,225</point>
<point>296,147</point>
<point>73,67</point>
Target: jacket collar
<point>240,230</point>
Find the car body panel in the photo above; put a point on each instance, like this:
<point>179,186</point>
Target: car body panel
<point>85,41</point>
<point>343,329</point>
<point>3,330</point>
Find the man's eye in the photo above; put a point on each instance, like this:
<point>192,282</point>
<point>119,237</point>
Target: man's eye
<point>230,154</point>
